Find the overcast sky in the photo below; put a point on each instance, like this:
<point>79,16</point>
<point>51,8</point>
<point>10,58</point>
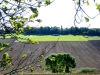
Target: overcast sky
<point>61,12</point>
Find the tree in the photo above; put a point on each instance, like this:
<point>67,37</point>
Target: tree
<point>60,62</point>
<point>12,19</point>
<point>78,18</point>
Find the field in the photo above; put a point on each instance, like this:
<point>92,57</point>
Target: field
<point>55,38</point>
<point>94,38</point>
<point>85,50</point>
<point>87,53</point>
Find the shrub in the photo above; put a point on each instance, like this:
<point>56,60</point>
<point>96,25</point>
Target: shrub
<point>88,70</point>
<point>60,62</point>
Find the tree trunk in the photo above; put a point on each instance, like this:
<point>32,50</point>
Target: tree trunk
<point>67,69</point>
<point>54,70</point>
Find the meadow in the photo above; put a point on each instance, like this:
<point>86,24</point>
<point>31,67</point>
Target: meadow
<point>55,38</point>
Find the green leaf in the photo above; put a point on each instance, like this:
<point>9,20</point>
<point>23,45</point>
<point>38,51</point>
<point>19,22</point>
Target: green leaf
<point>77,3</point>
<point>42,56</point>
<point>31,69</point>
<point>15,9</point>
<point>86,19</point>
<point>28,26</point>
<point>32,16</point>
<point>4,8</point>
<point>98,6</point>
<point>40,60</point>
<point>35,14</point>
<point>28,40</point>
<point>19,25</point>
<point>88,3</point>
<point>1,48</point>
<point>6,45</point>
<point>17,32</point>
<point>12,23</point>
<point>39,5</point>
<point>39,20</point>
<point>42,67</point>
<point>34,10</point>
<point>47,2</point>
<point>22,72</point>
<point>22,29</point>
<point>52,58</point>
<point>6,2</point>
<point>24,55</point>
<point>5,56</point>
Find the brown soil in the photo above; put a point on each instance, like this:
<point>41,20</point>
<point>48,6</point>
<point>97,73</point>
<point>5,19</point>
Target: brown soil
<point>87,54</point>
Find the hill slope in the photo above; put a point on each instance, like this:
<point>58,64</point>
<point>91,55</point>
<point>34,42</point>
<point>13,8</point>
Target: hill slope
<point>87,53</point>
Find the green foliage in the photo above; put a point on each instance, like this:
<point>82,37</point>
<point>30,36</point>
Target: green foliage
<point>12,13</point>
<point>86,19</point>
<point>77,3</point>
<point>6,60</point>
<point>5,1</point>
<point>31,69</point>
<point>39,4</point>
<point>24,55</point>
<point>47,2</point>
<point>42,67</point>
<point>35,11</point>
<point>88,3</point>
<point>1,48</point>
<point>32,41</point>
<point>82,2</point>
<point>5,44</point>
<point>28,26</point>
<point>98,6</point>
<point>39,20</point>
<point>60,62</point>
<point>88,70</point>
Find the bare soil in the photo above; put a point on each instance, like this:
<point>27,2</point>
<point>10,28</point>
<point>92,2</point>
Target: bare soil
<point>87,53</point>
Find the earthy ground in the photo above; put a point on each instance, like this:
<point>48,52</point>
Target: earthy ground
<point>87,53</point>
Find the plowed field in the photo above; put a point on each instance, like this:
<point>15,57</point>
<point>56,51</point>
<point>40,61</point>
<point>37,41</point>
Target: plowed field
<point>87,53</point>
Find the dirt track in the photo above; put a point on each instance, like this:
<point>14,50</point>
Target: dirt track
<point>87,54</point>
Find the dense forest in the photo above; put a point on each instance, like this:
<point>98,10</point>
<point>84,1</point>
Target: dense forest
<point>62,31</point>
<point>59,31</point>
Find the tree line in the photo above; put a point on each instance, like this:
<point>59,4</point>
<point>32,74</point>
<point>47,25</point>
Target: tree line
<point>62,31</point>
<point>57,31</point>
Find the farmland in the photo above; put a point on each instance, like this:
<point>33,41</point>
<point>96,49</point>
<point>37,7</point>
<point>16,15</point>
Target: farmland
<point>87,53</point>
<point>55,38</point>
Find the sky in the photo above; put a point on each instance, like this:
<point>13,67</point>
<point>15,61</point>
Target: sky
<point>61,13</point>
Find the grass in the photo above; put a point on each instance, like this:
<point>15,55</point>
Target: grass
<point>64,74</point>
<point>94,38</point>
<point>54,38</point>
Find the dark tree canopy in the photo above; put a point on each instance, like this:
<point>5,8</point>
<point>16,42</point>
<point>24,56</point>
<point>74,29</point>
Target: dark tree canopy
<point>60,62</point>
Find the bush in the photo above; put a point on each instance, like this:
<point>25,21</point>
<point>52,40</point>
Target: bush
<point>60,62</point>
<point>88,70</point>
